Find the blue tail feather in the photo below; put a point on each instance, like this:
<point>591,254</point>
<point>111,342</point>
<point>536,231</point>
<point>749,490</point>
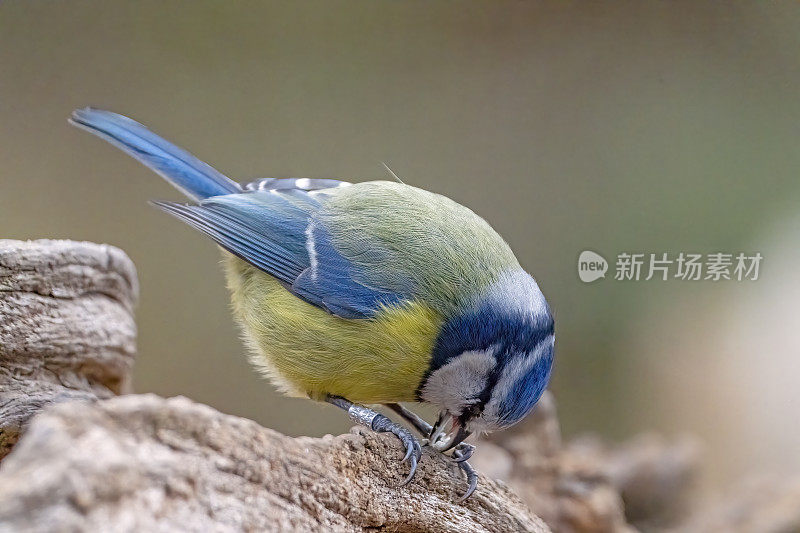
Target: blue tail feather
<point>267,223</point>
<point>194,178</point>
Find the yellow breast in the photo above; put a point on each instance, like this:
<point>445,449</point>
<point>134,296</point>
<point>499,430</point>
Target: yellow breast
<point>307,351</point>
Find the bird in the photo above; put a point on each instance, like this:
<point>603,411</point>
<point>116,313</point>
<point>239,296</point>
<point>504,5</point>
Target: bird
<point>366,294</point>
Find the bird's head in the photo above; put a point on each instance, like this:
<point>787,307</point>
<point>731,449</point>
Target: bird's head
<point>491,362</point>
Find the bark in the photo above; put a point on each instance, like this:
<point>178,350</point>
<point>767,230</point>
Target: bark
<point>66,327</point>
<point>570,495</point>
<point>143,463</point>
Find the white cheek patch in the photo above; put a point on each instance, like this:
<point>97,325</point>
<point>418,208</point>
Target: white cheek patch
<point>511,373</point>
<point>463,377</point>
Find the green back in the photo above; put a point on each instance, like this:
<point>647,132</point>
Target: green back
<point>412,241</point>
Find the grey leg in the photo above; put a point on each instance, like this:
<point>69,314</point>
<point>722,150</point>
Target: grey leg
<point>381,424</point>
<point>460,454</point>
<point>412,418</point>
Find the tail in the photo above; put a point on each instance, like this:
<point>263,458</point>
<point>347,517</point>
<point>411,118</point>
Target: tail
<point>195,179</point>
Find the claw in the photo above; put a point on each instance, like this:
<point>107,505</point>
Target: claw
<point>414,454</point>
<point>472,480</point>
<point>460,456</point>
<point>407,480</point>
<point>382,424</point>
<point>409,449</point>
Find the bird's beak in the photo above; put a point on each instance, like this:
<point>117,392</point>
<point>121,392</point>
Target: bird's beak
<point>447,432</point>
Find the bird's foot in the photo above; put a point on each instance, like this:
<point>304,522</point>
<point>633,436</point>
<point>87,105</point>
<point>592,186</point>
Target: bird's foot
<point>382,424</point>
<point>461,453</point>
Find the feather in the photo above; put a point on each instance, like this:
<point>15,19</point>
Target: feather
<point>194,178</point>
<point>331,281</point>
<point>264,229</point>
<point>288,184</point>
<point>275,231</point>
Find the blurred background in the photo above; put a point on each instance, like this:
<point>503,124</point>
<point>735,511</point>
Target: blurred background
<point>625,127</point>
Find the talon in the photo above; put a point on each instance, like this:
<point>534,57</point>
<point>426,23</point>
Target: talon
<point>460,456</point>
<point>472,480</point>
<point>413,454</point>
<point>407,480</point>
<point>409,449</point>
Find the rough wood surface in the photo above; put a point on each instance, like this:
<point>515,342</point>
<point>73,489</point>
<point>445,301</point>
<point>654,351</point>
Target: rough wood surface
<point>66,326</point>
<point>143,463</point>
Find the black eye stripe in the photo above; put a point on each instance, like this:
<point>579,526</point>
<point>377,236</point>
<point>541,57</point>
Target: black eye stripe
<point>491,381</point>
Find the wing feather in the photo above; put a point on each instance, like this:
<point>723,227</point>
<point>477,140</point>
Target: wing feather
<point>276,230</point>
<point>235,237</point>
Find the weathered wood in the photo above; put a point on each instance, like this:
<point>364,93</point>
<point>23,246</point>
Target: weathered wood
<point>143,463</point>
<point>66,326</point>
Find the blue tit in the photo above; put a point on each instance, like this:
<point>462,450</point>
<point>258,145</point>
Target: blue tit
<point>366,293</point>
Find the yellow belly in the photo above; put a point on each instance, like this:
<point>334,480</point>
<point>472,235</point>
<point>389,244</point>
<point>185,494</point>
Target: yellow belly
<point>307,351</point>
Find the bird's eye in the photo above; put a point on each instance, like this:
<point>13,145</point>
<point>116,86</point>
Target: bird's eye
<point>473,410</point>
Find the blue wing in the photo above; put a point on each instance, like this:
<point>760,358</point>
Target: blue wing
<point>269,223</point>
<point>264,229</point>
<point>274,229</point>
<point>332,281</point>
